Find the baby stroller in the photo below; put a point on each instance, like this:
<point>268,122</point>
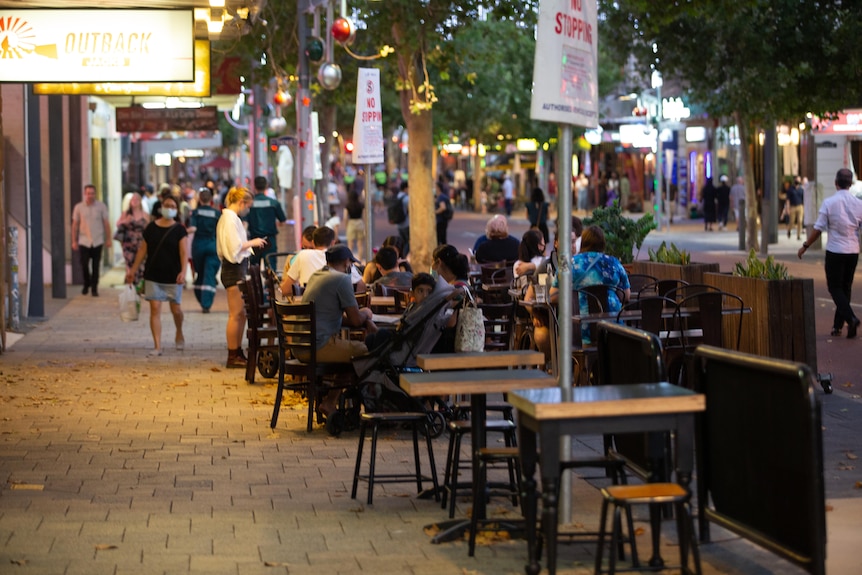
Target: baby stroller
<point>378,370</point>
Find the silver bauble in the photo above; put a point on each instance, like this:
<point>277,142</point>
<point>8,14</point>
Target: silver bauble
<point>329,75</point>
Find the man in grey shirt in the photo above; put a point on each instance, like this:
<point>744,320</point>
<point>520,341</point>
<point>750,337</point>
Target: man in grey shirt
<point>90,229</point>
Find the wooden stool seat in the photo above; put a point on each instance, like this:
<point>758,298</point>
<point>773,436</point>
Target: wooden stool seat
<point>653,494</point>
<point>418,421</point>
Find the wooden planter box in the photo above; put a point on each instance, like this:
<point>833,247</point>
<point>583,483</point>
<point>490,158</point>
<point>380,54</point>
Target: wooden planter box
<point>691,273</point>
<point>781,322</point>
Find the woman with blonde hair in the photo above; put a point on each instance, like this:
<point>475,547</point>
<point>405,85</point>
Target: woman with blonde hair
<point>234,248</point>
<point>130,230</point>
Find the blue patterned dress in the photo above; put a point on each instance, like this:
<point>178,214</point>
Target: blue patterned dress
<point>596,268</point>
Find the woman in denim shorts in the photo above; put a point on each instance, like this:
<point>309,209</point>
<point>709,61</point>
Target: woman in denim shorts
<point>234,248</point>
<point>164,246</point>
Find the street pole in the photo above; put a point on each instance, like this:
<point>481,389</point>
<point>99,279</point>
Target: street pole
<point>564,305</point>
<point>304,162</point>
<point>657,82</point>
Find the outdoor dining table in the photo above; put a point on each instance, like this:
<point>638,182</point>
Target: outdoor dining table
<point>478,383</point>
<point>545,417</point>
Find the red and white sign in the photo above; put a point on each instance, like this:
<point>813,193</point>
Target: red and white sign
<point>846,122</point>
<point>96,46</point>
<point>565,78</point>
<point>368,123</point>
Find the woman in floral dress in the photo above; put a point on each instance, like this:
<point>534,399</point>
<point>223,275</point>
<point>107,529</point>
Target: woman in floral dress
<point>130,231</point>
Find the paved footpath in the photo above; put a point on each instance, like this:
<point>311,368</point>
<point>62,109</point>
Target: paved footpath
<point>115,463</point>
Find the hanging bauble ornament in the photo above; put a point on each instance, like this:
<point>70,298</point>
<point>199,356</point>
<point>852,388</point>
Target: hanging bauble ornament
<point>329,75</point>
<point>314,49</point>
<point>282,98</point>
<point>277,124</point>
<point>343,31</point>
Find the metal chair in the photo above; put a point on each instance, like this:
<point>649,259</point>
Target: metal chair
<point>638,281</point>
<point>297,338</point>
<point>661,287</point>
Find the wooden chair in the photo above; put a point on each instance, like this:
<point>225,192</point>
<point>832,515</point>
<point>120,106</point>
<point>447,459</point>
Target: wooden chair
<point>498,325</point>
<point>260,329</point>
<point>297,338</point>
<point>488,269</point>
<point>402,300</point>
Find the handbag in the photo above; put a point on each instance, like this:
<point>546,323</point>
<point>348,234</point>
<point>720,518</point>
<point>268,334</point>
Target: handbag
<point>470,329</point>
<point>130,304</point>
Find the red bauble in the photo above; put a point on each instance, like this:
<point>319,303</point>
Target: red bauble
<point>343,31</point>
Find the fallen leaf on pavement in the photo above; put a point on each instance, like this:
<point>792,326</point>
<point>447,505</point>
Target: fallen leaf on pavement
<point>105,547</point>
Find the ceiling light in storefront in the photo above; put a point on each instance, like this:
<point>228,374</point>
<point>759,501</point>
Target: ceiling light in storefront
<point>217,3</point>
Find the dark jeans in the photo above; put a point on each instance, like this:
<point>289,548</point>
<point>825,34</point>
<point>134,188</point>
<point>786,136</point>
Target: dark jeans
<point>91,261</point>
<point>405,236</point>
<point>441,232</point>
<point>839,279</point>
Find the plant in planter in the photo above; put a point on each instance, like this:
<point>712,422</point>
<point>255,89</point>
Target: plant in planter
<point>766,270</point>
<point>622,234</point>
<point>672,255</point>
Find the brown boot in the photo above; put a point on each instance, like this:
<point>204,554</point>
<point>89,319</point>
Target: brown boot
<point>235,359</point>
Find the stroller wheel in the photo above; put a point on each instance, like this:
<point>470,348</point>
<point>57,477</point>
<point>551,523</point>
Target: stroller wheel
<point>335,423</point>
<point>267,364</point>
<point>436,423</point>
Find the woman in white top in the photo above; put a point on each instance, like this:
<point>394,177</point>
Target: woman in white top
<point>531,256</point>
<point>234,248</point>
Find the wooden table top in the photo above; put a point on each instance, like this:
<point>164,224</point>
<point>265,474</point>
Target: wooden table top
<point>385,318</point>
<point>608,401</point>
<point>479,359</point>
<point>382,300</point>
<point>474,381</point>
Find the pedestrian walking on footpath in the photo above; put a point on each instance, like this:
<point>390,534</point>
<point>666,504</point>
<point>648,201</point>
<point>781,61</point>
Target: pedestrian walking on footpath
<point>90,229</point>
<point>130,231</point>
<point>164,247</point>
<point>205,258</point>
<point>840,216</point>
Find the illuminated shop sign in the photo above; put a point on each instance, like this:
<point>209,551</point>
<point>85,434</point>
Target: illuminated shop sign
<point>96,46</point>
<point>200,88</point>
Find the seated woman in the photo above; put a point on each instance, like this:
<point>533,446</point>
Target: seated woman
<point>499,245</point>
<point>594,267</point>
<point>531,258</point>
<point>372,274</point>
<point>453,268</point>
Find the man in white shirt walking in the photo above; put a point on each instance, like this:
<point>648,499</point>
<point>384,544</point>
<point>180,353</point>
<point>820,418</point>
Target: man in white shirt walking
<point>90,229</point>
<point>840,216</point>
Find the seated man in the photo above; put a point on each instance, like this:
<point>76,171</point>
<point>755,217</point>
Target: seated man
<point>335,307</point>
<point>306,242</point>
<point>386,261</point>
<point>310,260</point>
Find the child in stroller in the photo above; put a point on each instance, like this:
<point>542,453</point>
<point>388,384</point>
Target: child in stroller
<point>394,351</point>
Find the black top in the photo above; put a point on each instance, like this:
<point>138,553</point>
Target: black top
<point>498,250</point>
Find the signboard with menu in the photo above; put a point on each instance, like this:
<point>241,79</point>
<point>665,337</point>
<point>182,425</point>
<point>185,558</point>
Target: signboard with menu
<point>139,119</point>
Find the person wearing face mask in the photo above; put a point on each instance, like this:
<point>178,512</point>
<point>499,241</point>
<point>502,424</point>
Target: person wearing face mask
<point>166,253</point>
<point>234,248</point>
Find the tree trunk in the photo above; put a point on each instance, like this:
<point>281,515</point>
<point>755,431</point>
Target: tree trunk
<point>745,135</point>
<point>423,229</point>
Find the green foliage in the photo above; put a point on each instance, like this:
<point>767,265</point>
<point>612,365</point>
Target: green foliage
<point>754,268</point>
<point>622,234</point>
<point>672,255</point>
<point>766,60</point>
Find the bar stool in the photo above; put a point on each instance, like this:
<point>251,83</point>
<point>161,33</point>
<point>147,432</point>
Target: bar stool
<point>488,456</point>
<point>624,496</point>
<point>457,429</point>
<point>417,421</point>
